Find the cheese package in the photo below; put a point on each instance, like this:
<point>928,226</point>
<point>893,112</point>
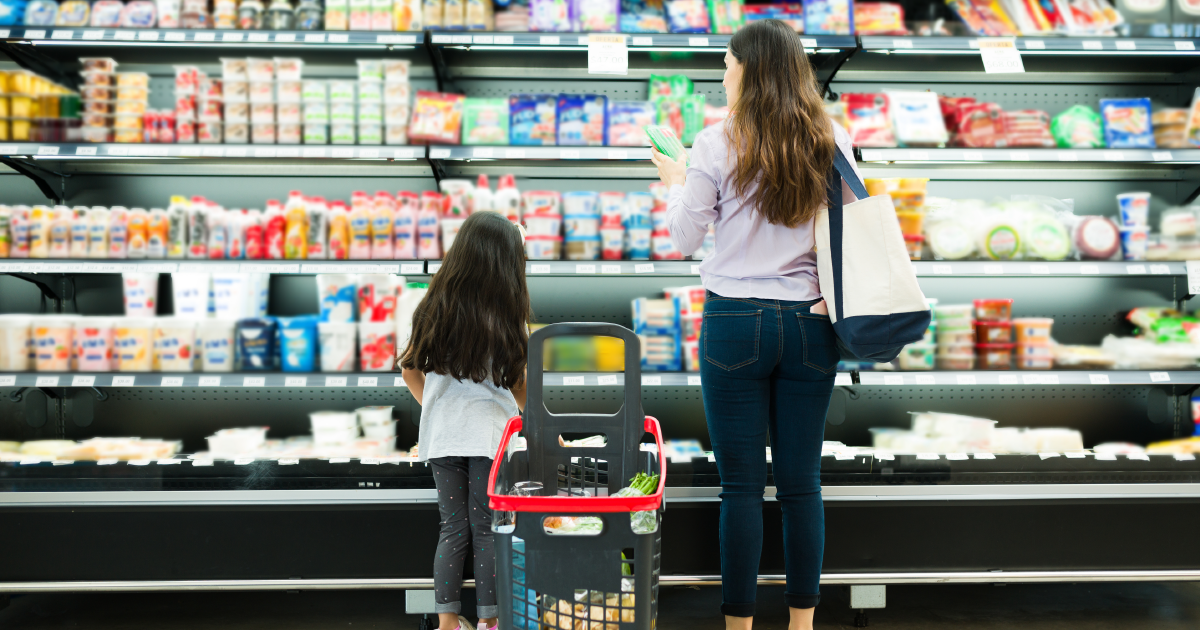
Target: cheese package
<point>1097,238</point>
<point>437,117</point>
<point>1127,123</point>
<point>581,119</point>
<point>917,118</point>
<point>532,119</point>
<point>868,120</point>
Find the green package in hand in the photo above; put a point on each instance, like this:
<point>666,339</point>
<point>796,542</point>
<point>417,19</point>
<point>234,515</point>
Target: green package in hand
<point>665,140</point>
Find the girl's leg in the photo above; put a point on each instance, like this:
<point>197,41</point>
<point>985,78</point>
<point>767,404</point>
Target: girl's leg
<point>481,538</point>
<point>450,476</point>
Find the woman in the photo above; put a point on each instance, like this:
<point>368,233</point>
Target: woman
<point>768,352</point>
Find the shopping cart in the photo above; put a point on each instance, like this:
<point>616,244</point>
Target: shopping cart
<point>606,579</point>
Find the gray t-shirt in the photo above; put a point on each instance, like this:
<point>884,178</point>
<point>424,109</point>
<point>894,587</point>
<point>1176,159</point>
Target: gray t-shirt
<point>463,418</point>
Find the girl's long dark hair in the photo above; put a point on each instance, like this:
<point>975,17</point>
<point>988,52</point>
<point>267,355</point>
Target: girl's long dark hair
<point>473,323</point>
<point>778,126</point>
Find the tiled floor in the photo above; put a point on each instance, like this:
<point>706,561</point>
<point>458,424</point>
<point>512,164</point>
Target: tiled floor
<point>1023,607</point>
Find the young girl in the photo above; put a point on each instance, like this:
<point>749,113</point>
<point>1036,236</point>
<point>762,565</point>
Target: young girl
<point>465,365</point>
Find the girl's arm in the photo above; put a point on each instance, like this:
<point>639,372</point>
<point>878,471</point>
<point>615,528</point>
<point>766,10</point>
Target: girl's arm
<point>518,393</point>
<point>415,380</point>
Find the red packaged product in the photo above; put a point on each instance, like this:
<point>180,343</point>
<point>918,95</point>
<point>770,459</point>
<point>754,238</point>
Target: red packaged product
<point>879,18</point>
<point>867,116</point>
<point>1027,128</point>
<point>185,106</point>
<point>980,125</point>
<point>275,230</point>
<point>185,131</point>
<point>436,118</point>
<point>255,242</point>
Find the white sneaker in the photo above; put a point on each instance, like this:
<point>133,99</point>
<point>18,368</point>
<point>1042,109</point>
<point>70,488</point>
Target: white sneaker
<point>463,624</point>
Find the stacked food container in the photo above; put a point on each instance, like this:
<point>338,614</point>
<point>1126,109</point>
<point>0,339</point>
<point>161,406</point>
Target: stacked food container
<point>955,336</point>
<point>919,355</point>
<point>543,222</point>
<point>993,333</point>
<point>99,103</point>
<point>1033,343</point>
<point>581,220</point>
<point>396,96</point>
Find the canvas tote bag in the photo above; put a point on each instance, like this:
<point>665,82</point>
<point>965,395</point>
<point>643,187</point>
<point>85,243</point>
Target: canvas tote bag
<point>864,272</point>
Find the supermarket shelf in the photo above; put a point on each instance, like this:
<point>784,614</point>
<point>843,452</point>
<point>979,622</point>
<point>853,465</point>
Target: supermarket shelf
<point>539,153</point>
<point>1047,268</point>
<point>202,379</point>
<point>953,492</point>
<point>403,267</point>
<point>311,584</point>
<point>613,267</point>
<point>635,41</point>
<point>208,38</point>
<point>1023,377</point>
<point>1035,45</point>
<point>1164,157</point>
<point>54,151</point>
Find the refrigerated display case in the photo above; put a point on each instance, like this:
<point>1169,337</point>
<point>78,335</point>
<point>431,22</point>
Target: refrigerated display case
<point>283,522</point>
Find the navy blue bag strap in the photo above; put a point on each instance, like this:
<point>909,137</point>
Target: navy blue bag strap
<point>841,170</point>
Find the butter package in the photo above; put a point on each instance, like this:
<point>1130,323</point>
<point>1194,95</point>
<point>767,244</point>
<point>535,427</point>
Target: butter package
<point>532,119</point>
<point>581,119</point>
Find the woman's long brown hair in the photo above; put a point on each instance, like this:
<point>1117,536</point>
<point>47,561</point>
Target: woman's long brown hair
<point>474,322</point>
<point>778,128</point>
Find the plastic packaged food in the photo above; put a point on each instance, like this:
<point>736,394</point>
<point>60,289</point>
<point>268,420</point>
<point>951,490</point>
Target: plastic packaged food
<point>255,343</point>
<point>687,16</point>
<point>626,121</point>
<point>956,361</point>
<point>297,343</point>
<point>869,120</point>
<point>1127,123</point>
<point>1134,208</point>
<point>215,338</point>
<point>1134,242</point>
<point>642,16</point>
<point>995,356</point>
<point>1047,238</point>
<point>917,357</point>
<point>917,118</point>
<point>134,345</point>
<point>174,343</point>
<point>337,344</point>
<point>581,119</point>
<point>139,14</point>
<point>993,332</point>
<point>993,309</point>
<point>1033,330</point>
<point>377,346</point>
<point>1097,238</point>
<point>1078,127</point>
<point>94,344</point>
<point>594,16</point>
<point>1178,222</point>
<point>532,119</point>
<point>73,13</point>
<point>141,294</point>
<point>485,121</point>
<point>549,15</point>
<point>543,247</point>
<point>437,117</point>
<point>1000,241</point>
<point>914,243</point>
<point>53,341</point>
<point>41,13</point>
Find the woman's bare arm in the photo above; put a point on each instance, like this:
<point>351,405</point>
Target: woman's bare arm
<point>415,380</point>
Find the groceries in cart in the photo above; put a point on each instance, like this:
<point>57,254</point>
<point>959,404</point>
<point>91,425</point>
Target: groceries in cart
<point>642,485</point>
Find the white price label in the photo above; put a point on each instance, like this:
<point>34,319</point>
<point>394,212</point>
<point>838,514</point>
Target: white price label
<point>412,268</point>
<point>548,40</point>
<point>572,380</point>
<point>405,154</point>
<point>1125,44</point>
<point>314,38</point>
<point>168,462</point>
<point>1161,156</point>
<point>918,156</point>
<point>1106,457</point>
<point>123,381</point>
<point>694,381</point>
<point>202,462</point>
<point>966,379</point>
<point>695,270</point>
<point>643,41</point>
<point>439,154</point>
<point>339,460</point>
<point>107,461</point>
<point>47,150</point>
<point>610,269</point>
<point>942,270</point>
<point>501,40</point>
<point>1138,456</point>
<point>369,461</point>
<point>585,269</point>
<point>872,156</point>
<point>139,462</point>
<point>1114,156</point>
<point>1089,270</point>
<point>607,54</point>
<point>205,37</point>
<point>173,36</point>
<point>973,156</point>
<point>235,37</point>
<point>606,379</point>
<point>842,380</point>
<point>893,379</point>
<point>1093,45</point>
<point>295,381</point>
<point>1046,456</point>
<point>618,155</point>
<point>64,34</point>
<point>902,43</point>
<point>843,456</point>
<point>288,461</point>
<point>41,34</point>
<point>335,381</point>
<point>1068,156</point>
<point>172,381</point>
<point>1193,277</point>
<point>1159,377</point>
<point>643,268</point>
<point>956,457</point>
<point>148,36</point>
<point>243,461</point>
<point>85,150</point>
<point>651,380</point>
<point>399,382</point>
<point>1185,457</point>
<point>94,35</point>
<point>1075,455</point>
<point>808,42</point>
<point>1035,44</point>
<point>1160,270</point>
<point>514,154</point>
<point>1039,269</point>
<point>568,154</point>
<point>925,379</point>
<point>483,152</point>
<point>340,38</point>
<point>83,381</point>
<point>264,153</point>
<point>993,270</point>
<point>1008,379</point>
<point>885,457</point>
<point>1098,379</point>
<point>46,381</point>
<point>1185,46</point>
<point>434,266</point>
<point>697,41</point>
<point>207,152</point>
<point>343,153</point>
<point>1000,56</point>
<point>368,381</point>
<point>1019,156</point>
<point>984,456</point>
<point>928,456</point>
<point>1136,270</point>
<point>210,381</point>
<point>539,268</point>
<point>254,381</point>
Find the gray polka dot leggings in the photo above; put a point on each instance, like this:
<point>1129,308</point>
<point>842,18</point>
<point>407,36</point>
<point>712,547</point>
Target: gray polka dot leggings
<point>466,522</point>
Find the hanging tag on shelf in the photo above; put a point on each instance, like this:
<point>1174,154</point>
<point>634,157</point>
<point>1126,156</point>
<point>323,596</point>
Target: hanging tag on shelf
<point>607,54</point>
<point>1000,56</point>
<point>1193,277</point>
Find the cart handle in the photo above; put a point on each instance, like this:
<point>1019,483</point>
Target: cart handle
<point>574,505</point>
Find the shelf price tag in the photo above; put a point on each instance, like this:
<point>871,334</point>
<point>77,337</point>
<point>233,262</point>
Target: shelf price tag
<point>993,270</point>
<point>399,382</point>
<point>210,381</point>
<point>606,379</point>
<point>123,381</point>
<point>172,381</point>
<point>644,268</point>
<point>1000,56</point>
<point>956,457</point>
<point>893,379</point>
<point>925,379</point>
<point>1185,45</point>
<point>984,456</point>
<point>1193,277</point>
<point>1008,379</point>
<point>585,269</point>
<point>1160,270</point>
<point>694,381</point>
<point>412,268</point>
<point>295,381</point>
<point>842,380</point>
<point>610,269</point>
<point>966,379</point>
<point>47,381</point>
<point>335,381</point>
<point>1161,156</point>
<point>928,456</point>
<point>1098,379</point>
<point>651,380</point>
<point>254,381</point>
<point>607,54</point>
<point>572,380</point>
<point>368,381</point>
<point>1160,377</point>
<point>1136,270</point>
<point>82,381</point>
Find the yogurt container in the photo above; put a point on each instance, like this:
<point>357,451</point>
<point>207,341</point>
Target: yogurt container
<point>612,206</point>
<point>189,293</point>
<point>377,346</point>
<point>337,343</point>
<point>377,296</point>
<point>1033,330</point>
<point>174,344</point>
<point>1134,208</point>
<point>333,421</point>
<point>612,243</point>
<point>583,248</point>
<point>298,343</point>
<point>638,243</point>
<point>542,224</point>
<point>543,247</point>
<point>94,344</point>
<point>141,294</point>
<point>582,226</point>
<point>254,345</point>
<point>336,292</point>
<point>52,341</point>
<point>582,203</point>
<point>1134,242</point>
<point>450,228</point>
<point>375,415</point>
<point>379,431</point>
<point>15,347</point>
<point>215,341</point>
<point>134,344</point>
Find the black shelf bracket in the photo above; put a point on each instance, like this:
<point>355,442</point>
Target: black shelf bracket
<point>44,178</point>
<point>56,287</point>
<point>27,55</point>
<point>440,69</point>
<point>836,62</point>
<point>438,168</point>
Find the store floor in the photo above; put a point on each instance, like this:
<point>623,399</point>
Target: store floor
<point>1027,607</point>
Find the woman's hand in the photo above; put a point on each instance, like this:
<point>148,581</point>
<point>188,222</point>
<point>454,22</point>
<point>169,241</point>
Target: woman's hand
<point>670,171</point>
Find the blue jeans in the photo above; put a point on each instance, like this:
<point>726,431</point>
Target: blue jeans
<point>767,365</point>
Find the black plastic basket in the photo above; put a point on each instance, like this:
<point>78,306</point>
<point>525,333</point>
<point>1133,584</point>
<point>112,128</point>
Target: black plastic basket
<point>602,581</point>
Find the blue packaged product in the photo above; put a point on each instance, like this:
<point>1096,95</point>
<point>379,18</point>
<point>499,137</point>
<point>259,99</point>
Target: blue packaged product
<point>533,119</point>
<point>626,123</point>
<point>581,120</point>
<point>254,345</point>
<point>338,295</point>
<point>41,13</point>
<point>12,12</point>
<point>549,15</point>
<point>1127,123</point>
<point>642,16</point>
<point>828,17</point>
<point>298,343</point>
<point>687,16</point>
